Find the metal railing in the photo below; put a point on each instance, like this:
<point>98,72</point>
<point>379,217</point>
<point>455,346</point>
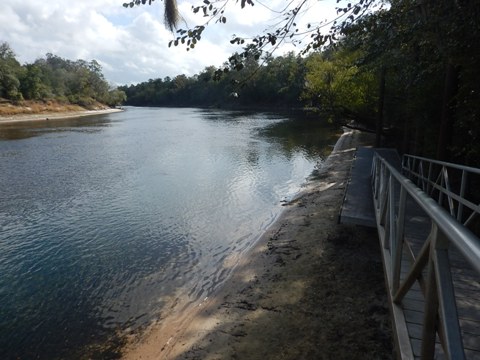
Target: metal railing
<point>430,267</point>
<point>445,182</point>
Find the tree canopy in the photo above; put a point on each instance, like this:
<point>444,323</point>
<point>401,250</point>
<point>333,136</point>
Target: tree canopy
<point>288,28</point>
<point>52,77</point>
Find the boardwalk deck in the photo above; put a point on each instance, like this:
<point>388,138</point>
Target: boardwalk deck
<point>357,205</point>
<point>408,315</point>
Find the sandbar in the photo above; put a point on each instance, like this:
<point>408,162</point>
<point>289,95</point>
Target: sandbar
<point>10,119</point>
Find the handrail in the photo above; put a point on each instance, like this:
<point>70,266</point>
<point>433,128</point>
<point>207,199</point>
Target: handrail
<point>444,163</point>
<point>436,176</point>
<point>391,191</point>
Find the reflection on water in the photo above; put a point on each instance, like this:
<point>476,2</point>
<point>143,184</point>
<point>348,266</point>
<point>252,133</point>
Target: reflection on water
<point>302,131</point>
<point>23,130</point>
<point>106,219</point>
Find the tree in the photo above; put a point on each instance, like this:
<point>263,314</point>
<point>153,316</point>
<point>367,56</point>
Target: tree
<point>10,70</point>
<point>115,97</point>
<point>338,86</point>
<point>79,82</point>
<point>31,83</point>
<point>425,50</point>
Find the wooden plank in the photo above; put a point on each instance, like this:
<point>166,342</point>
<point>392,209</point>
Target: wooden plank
<point>471,342</point>
<point>472,355</point>
<point>417,345</point>
<point>414,316</point>
<point>413,304</point>
<point>470,326</point>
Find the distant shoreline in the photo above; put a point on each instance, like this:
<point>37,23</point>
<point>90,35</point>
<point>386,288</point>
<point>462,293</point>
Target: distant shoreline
<point>12,119</point>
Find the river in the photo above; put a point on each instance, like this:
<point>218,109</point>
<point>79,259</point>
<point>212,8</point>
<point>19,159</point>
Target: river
<point>107,219</point>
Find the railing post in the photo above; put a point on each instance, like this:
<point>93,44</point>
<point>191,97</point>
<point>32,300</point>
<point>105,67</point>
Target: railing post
<point>431,304</point>
<point>429,179</point>
<point>385,218</point>
<point>397,250</point>
<point>375,175</point>
<point>391,216</point>
<point>451,205</point>
<point>418,164</point>
<point>442,184</point>
<point>421,175</point>
<point>463,188</point>
<point>450,328</point>
<point>383,194</point>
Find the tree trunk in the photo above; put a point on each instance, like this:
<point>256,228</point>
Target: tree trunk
<point>448,112</point>
<point>381,101</point>
<point>406,135</point>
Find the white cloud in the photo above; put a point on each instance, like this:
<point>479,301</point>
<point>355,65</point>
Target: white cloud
<point>130,44</point>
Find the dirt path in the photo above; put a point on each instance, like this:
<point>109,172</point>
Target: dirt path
<point>309,289</point>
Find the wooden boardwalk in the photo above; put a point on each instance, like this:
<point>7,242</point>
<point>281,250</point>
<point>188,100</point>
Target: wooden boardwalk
<point>408,314</point>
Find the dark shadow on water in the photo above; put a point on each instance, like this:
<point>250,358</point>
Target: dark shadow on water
<point>294,130</point>
<point>312,135</point>
<point>28,129</point>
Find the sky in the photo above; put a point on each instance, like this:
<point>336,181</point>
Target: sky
<point>132,44</point>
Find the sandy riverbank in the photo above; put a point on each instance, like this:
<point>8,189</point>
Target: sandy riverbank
<point>9,119</point>
<point>309,289</point>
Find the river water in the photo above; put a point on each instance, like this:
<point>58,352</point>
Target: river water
<point>106,219</point>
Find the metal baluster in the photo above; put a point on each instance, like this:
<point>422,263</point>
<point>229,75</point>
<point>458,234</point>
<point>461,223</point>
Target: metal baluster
<point>463,188</point>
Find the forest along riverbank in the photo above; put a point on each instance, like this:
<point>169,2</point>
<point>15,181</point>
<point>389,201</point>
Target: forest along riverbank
<point>309,289</point>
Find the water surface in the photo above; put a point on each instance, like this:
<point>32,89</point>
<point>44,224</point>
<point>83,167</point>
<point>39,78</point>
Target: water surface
<point>106,219</point>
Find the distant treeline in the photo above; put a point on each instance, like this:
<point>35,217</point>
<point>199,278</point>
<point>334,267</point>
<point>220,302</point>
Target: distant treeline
<point>53,78</point>
<point>269,82</point>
